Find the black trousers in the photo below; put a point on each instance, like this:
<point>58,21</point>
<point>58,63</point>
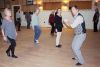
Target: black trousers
<point>12,46</point>
<point>19,24</point>
<point>95,26</point>
<point>28,24</point>
<point>52,28</point>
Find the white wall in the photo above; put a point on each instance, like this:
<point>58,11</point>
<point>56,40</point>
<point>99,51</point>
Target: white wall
<point>44,15</point>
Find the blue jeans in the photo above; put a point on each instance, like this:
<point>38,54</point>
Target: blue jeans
<point>37,32</point>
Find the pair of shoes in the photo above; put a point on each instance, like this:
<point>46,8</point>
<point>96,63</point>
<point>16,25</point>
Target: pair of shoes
<point>14,56</point>
<point>59,46</point>
<point>8,53</point>
<point>78,64</point>
<point>74,58</point>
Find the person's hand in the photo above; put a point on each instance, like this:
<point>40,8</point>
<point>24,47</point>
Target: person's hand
<point>5,38</point>
<point>16,34</point>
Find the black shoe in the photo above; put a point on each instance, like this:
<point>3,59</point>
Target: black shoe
<point>28,27</point>
<point>78,64</point>
<point>73,58</point>
<point>19,30</point>
<point>95,31</point>
<point>8,53</point>
<point>13,56</point>
<point>59,46</point>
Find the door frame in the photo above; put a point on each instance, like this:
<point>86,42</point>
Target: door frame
<point>13,10</point>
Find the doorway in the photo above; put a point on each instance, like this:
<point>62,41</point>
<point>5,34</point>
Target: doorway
<point>15,8</point>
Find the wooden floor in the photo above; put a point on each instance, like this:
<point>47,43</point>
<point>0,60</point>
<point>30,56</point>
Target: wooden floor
<point>46,54</point>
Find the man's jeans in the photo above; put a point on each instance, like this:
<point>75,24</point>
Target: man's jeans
<point>37,32</point>
<point>76,47</point>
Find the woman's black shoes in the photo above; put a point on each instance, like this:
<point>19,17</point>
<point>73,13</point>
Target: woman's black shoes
<point>8,54</point>
<point>13,56</point>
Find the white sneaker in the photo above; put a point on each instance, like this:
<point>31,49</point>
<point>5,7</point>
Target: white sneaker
<point>37,42</point>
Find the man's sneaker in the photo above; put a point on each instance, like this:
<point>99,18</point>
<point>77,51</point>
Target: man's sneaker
<point>36,41</point>
<point>59,46</point>
<point>78,64</point>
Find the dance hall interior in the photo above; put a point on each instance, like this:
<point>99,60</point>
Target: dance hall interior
<point>41,44</point>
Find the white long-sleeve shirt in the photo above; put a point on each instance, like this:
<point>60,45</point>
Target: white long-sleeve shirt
<point>18,15</point>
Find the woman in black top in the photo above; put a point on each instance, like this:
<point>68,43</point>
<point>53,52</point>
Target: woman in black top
<point>52,22</point>
<point>58,26</point>
<point>96,20</point>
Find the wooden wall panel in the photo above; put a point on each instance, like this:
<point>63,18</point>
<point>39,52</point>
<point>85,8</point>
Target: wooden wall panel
<point>22,2</point>
<point>24,7</point>
<point>28,8</point>
<point>52,0</point>
<point>51,5</point>
<point>81,4</point>
<point>2,5</point>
